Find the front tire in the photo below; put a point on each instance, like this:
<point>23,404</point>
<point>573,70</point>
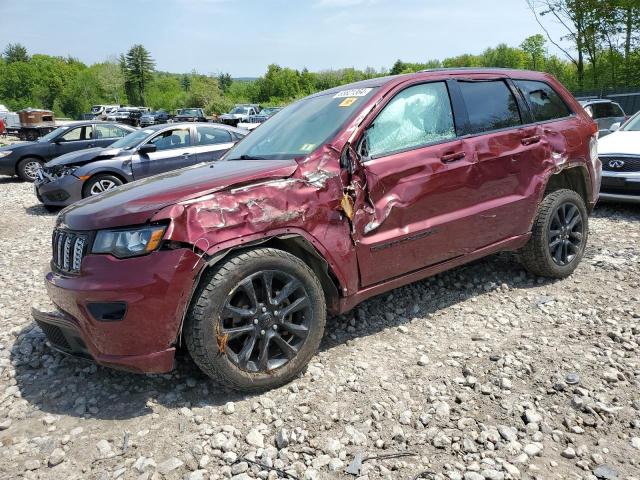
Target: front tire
<point>99,184</point>
<point>256,320</point>
<point>558,237</point>
<point>28,167</point>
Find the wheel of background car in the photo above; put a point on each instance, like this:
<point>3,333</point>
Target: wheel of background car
<point>256,320</point>
<point>28,168</point>
<point>559,235</point>
<point>99,184</point>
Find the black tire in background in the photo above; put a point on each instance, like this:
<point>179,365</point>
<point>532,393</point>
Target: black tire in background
<point>27,168</point>
<point>233,323</point>
<point>100,183</point>
<point>559,235</point>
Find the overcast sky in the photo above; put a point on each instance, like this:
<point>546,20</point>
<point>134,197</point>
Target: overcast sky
<point>242,37</point>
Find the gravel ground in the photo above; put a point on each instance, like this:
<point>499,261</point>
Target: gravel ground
<point>483,372</point>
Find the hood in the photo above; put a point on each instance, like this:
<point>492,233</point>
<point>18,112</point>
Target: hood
<point>81,157</point>
<point>620,142</point>
<point>136,203</point>
<point>232,115</point>
<point>16,146</point>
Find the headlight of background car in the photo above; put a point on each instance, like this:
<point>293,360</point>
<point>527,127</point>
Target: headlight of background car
<point>6,153</point>
<point>129,243</point>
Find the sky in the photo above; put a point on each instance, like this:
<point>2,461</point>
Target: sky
<point>242,37</point>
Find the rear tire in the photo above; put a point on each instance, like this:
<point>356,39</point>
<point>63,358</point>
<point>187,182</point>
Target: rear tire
<point>256,320</point>
<point>99,184</point>
<point>558,237</point>
<point>28,167</point>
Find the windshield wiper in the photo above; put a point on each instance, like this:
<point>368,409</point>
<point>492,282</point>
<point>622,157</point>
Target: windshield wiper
<point>247,157</point>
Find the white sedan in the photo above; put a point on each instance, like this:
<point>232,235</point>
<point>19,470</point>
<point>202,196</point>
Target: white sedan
<point>620,156</point>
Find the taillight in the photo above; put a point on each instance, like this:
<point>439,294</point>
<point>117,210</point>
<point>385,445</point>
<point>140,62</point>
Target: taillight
<point>594,128</point>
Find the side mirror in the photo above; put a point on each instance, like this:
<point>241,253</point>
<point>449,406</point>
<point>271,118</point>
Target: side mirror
<point>147,148</point>
<point>615,127</point>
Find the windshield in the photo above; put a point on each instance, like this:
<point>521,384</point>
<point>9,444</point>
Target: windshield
<point>96,109</point>
<point>188,111</point>
<point>53,134</point>
<point>132,140</point>
<point>240,110</point>
<point>633,125</point>
<point>301,127</point>
<point>269,111</point>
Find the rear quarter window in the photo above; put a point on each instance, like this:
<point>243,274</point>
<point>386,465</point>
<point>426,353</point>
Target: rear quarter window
<point>545,103</point>
<point>490,105</point>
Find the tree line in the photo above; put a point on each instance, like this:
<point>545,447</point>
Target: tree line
<point>599,49</point>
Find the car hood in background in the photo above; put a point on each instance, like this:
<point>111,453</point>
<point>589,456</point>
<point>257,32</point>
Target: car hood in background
<point>17,145</point>
<point>625,143</point>
<point>137,202</point>
<point>83,156</point>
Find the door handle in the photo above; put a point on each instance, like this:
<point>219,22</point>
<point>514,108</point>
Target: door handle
<point>530,140</point>
<point>452,157</point>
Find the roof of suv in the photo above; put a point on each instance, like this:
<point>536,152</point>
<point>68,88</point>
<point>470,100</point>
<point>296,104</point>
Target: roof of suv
<point>380,81</point>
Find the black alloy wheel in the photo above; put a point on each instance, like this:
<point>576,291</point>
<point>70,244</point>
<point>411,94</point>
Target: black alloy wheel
<point>566,231</point>
<point>265,321</point>
<point>256,319</point>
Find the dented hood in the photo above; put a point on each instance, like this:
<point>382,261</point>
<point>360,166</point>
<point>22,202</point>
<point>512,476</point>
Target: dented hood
<point>80,157</point>
<point>135,203</point>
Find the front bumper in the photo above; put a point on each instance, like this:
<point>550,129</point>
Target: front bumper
<point>155,290</point>
<point>620,186</point>
<point>8,165</point>
<point>60,191</point>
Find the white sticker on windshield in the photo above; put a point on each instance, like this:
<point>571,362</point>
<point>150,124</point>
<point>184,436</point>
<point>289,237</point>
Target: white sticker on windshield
<point>356,92</point>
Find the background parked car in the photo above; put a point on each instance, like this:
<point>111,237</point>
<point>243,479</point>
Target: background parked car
<point>605,113</point>
<point>127,115</point>
<point>255,120</point>
<point>154,118</point>
<point>141,154</point>
<point>239,114</point>
<point>190,115</point>
<point>24,159</point>
<point>620,156</point>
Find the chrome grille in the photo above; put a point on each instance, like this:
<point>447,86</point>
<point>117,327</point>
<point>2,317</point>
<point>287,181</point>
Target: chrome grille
<point>68,250</point>
<point>620,163</point>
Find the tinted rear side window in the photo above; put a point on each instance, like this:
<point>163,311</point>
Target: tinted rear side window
<point>545,103</point>
<point>490,105</point>
<point>604,110</point>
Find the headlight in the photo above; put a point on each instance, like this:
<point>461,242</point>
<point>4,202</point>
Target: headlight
<point>129,243</point>
<point>6,153</point>
<point>67,171</point>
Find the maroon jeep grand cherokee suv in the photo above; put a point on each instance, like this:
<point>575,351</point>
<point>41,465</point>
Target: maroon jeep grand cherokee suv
<point>340,196</point>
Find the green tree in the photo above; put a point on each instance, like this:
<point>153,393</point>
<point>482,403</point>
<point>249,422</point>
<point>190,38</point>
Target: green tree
<point>138,68</point>
<point>15,52</point>
<point>535,48</point>
<point>503,56</point>
<point>224,81</point>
